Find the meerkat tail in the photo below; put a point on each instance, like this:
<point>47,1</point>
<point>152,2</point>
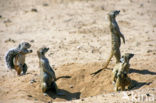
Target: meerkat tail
<point>63,77</point>
<point>9,56</point>
<point>105,66</point>
<point>108,60</point>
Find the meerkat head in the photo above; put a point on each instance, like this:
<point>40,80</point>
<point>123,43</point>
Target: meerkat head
<point>126,57</point>
<point>24,45</point>
<point>129,55</point>
<point>42,51</point>
<point>114,13</point>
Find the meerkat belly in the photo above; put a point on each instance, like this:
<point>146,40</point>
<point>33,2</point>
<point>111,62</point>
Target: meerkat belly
<point>19,59</point>
<point>115,41</point>
<point>45,76</point>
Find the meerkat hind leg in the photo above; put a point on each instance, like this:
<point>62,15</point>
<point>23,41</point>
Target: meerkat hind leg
<point>55,89</point>
<point>24,69</point>
<point>18,70</point>
<point>44,84</point>
<point>117,55</point>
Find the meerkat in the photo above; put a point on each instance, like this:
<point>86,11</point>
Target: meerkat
<point>15,58</point>
<point>122,81</point>
<point>115,39</point>
<point>47,74</point>
<point>115,36</point>
<point>123,65</point>
<point>120,71</point>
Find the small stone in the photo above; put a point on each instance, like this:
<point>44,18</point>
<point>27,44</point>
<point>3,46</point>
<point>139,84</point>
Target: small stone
<point>32,41</point>
<point>102,8</point>
<point>45,4</point>
<point>124,10</point>
<point>152,89</point>
<point>34,10</point>
<point>9,40</point>
<point>154,25</point>
<point>138,44</point>
<point>148,94</point>
<point>150,45</point>
<point>149,51</point>
<point>82,99</point>
<point>29,95</point>
<point>71,86</point>
<point>7,21</point>
<point>79,47</point>
<point>129,94</point>
<point>141,5</point>
<point>32,81</point>
<point>36,99</point>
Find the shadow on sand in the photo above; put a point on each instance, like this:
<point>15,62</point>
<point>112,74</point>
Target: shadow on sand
<point>66,95</point>
<point>137,85</point>
<point>145,72</point>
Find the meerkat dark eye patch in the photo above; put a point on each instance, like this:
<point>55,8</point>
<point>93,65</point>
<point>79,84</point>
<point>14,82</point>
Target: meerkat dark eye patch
<point>118,11</point>
<point>47,49</point>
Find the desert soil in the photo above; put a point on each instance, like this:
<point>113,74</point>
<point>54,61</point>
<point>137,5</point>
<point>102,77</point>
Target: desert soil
<point>77,33</point>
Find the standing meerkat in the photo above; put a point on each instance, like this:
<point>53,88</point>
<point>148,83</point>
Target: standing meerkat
<point>115,36</point>
<point>120,72</point>
<point>47,74</point>
<point>15,58</point>
<point>115,39</point>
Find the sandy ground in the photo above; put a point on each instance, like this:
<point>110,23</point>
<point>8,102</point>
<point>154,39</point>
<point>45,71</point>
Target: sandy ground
<point>77,33</point>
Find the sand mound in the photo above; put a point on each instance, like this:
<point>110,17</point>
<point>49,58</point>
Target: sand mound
<point>80,85</point>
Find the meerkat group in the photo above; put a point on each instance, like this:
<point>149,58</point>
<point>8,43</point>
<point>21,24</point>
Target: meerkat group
<point>15,59</point>
<point>120,70</point>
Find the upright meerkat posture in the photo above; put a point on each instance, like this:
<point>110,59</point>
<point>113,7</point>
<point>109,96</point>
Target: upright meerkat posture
<point>47,75</point>
<point>115,39</point>
<point>115,36</point>
<point>120,71</point>
<point>122,81</point>
<point>15,58</point>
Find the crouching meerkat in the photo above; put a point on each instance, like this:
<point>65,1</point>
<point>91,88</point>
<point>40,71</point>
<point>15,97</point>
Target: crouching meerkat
<point>15,58</point>
<point>47,74</point>
<point>120,72</point>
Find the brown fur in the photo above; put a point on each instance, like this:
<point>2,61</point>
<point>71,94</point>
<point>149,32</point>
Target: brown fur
<point>120,72</point>
<point>47,75</point>
<point>15,58</point>
<point>115,35</point>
